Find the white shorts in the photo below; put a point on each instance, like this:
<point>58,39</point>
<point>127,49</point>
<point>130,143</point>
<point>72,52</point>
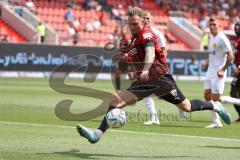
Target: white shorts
<point>215,84</point>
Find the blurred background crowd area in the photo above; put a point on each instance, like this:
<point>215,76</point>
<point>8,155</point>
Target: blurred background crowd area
<point>96,23</point>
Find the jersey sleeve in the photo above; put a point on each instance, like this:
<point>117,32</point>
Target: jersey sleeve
<point>162,40</point>
<point>226,44</point>
<point>160,37</point>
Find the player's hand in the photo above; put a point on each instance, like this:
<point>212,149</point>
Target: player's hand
<point>235,72</point>
<point>131,76</point>
<point>144,76</point>
<point>220,73</point>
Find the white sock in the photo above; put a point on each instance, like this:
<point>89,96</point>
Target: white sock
<point>214,115</point>
<point>231,100</point>
<point>216,107</point>
<point>151,108</point>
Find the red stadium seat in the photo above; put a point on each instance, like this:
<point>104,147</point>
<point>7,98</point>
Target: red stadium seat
<point>53,13</point>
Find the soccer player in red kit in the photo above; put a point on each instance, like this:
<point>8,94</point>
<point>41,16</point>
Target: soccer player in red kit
<point>235,85</point>
<point>152,78</point>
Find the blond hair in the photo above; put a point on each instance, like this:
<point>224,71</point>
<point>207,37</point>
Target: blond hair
<point>135,11</point>
<point>146,13</point>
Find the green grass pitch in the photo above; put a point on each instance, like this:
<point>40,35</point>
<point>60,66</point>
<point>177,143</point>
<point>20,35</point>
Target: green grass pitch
<point>30,130</point>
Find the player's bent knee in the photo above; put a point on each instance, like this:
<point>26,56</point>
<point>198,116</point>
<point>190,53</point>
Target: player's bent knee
<point>185,105</point>
<point>207,96</point>
<point>215,97</point>
<point>123,99</point>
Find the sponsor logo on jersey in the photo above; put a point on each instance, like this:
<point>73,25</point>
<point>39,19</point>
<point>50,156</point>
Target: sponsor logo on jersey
<point>214,45</point>
<point>147,35</point>
<point>175,94</point>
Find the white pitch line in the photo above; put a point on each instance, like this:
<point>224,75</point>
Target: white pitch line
<point>177,135</point>
<point>134,132</point>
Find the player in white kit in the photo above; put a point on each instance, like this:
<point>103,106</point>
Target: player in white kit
<point>220,58</point>
<point>162,43</point>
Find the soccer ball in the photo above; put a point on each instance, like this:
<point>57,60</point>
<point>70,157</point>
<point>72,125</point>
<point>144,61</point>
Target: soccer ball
<point>116,118</point>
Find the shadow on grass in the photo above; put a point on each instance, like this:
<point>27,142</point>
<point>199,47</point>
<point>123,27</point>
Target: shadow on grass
<point>222,147</point>
<point>78,154</point>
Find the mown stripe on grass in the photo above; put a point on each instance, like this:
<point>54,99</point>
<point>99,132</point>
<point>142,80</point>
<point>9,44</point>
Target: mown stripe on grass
<point>123,131</point>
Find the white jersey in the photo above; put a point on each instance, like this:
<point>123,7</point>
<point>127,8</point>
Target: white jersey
<point>218,47</point>
<point>160,37</point>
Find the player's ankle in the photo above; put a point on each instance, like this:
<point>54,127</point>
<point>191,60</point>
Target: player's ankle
<point>98,133</point>
<point>216,106</point>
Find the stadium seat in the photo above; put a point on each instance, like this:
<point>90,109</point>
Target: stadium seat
<point>53,13</point>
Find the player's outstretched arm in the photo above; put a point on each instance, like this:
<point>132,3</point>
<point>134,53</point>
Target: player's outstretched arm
<point>148,61</point>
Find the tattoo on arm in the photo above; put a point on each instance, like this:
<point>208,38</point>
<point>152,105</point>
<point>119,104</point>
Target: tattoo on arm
<point>150,55</point>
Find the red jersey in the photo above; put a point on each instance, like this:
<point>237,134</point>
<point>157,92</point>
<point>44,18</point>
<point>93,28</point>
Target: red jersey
<point>137,54</point>
<point>237,54</point>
